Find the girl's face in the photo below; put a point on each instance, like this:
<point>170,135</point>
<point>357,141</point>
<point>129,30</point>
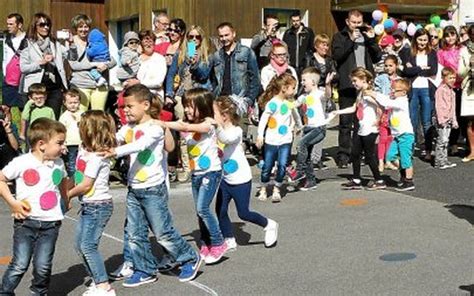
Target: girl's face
<point>422,42</point>
<point>194,35</point>
<point>289,90</point>
<point>218,115</point>
<point>191,113</point>
<point>322,48</point>
<point>135,110</point>
<point>451,39</point>
<point>390,67</point>
<point>359,84</point>
<point>43,27</point>
<point>83,31</point>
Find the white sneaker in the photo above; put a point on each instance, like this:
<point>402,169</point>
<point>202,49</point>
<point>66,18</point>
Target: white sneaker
<point>94,291</point>
<point>231,244</point>
<point>262,194</point>
<point>271,234</point>
<point>124,271</point>
<point>276,196</point>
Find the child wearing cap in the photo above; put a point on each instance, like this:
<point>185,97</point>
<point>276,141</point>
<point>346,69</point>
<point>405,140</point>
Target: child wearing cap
<point>129,57</point>
<point>386,44</point>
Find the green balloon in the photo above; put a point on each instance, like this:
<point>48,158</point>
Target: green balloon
<point>435,20</point>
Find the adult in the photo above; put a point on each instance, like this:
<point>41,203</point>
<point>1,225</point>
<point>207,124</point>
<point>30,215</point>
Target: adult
<point>448,56</point>
<point>15,41</point>
<point>299,39</point>
<point>420,64</point>
<point>463,35</point>
<point>262,41</point>
<point>278,65</point>
<point>42,62</point>
<point>320,59</point>
<point>161,23</point>
<point>400,45</point>
<point>234,69</point>
<point>92,96</point>
<point>434,38</point>
<point>176,32</point>
<point>465,70</point>
<point>351,48</point>
<point>8,137</point>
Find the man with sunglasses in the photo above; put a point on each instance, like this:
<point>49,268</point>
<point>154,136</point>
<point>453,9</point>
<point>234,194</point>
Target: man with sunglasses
<point>434,38</point>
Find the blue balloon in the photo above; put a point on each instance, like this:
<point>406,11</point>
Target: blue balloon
<point>374,22</point>
<point>388,24</point>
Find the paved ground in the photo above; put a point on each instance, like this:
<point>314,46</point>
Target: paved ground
<point>332,242</point>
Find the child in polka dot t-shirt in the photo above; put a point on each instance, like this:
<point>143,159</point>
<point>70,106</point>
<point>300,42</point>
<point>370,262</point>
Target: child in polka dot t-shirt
<point>97,133</point>
<point>205,166</point>
<point>237,177</point>
<point>147,198</point>
<point>40,178</point>
<point>275,128</point>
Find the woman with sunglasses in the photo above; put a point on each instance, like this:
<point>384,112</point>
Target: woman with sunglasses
<point>448,56</point>
<point>176,31</point>
<point>92,96</point>
<point>42,62</point>
<point>419,64</point>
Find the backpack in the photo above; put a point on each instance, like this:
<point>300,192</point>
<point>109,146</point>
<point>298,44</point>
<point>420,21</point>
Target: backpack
<point>13,72</point>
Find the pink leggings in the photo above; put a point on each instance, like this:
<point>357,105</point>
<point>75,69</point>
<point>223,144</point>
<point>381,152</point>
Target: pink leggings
<point>385,139</point>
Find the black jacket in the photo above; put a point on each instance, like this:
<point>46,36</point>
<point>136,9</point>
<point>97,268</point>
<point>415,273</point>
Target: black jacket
<point>310,61</point>
<point>414,71</point>
<point>343,54</point>
<point>298,47</point>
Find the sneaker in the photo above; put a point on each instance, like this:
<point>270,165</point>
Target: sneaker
<point>183,176</point>
<point>406,186</point>
<point>189,270</point>
<point>352,185</point>
<point>139,278</point>
<point>296,177</point>
<point>95,291</point>
<point>167,263</point>
<point>231,244</point>
<point>216,253</point>
<point>447,165</point>
<point>124,271</point>
<point>173,176</point>
<point>309,186</point>
<point>291,172</point>
<point>377,185</point>
<point>260,164</point>
<point>262,194</point>
<point>271,234</point>
<point>204,252</point>
<point>276,196</point>
<point>320,166</point>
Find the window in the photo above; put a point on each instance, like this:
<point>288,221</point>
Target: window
<point>284,16</point>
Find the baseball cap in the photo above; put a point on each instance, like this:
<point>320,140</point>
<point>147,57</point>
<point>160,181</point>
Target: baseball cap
<point>387,40</point>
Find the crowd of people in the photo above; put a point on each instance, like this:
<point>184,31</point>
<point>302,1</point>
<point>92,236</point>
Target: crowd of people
<point>184,109</point>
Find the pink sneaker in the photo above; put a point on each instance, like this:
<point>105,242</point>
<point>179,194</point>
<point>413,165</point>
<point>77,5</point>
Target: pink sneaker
<point>204,252</point>
<point>216,253</point>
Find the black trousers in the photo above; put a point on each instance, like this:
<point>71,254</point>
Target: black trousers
<point>366,144</point>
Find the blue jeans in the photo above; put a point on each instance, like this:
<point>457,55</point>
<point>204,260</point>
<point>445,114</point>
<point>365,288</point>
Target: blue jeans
<point>240,193</point>
<point>311,136</point>
<point>149,208</point>
<point>92,221</point>
<point>420,98</point>
<point>204,190</point>
<point>31,238</point>
<point>271,155</point>
<point>70,160</point>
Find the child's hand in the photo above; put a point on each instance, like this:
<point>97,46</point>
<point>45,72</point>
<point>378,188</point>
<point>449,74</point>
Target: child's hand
<point>330,77</point>
<point>211,121</point>
<point>259,143</point>
<point>20,210</point>
<point>107,154</point>
<point>159,122</point>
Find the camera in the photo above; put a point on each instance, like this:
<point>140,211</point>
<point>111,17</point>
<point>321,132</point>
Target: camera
<point>363,28</point>
<point>62,34</point>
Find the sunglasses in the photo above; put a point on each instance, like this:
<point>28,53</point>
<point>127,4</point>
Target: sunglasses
<point>194,37</point>
<point>133,42</point>
<point>434,36</point>
<point>177,31</point>
<point>44,24</point>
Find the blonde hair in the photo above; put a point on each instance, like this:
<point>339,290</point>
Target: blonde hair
<point>97,131</point>
<point>402,83</point>
<point>203,51</point>
<point>275,86</point>
<point>227,106</point>
<point>363,74</point>
<point>321,38</point>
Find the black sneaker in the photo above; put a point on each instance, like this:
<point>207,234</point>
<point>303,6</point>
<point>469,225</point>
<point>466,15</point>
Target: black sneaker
<point>173,176</point>
<point>309,186</point>
<point>296,178</point>
<point>406,186</point>
<point>377,185</point>
<point>352,185</point>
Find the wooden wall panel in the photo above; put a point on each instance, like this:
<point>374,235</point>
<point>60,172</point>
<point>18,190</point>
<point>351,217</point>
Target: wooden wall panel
<point>63,12</point>
<point>27,8</point>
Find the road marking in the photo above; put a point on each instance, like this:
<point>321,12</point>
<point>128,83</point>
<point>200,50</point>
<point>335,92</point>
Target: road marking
<point>5,260</point>
<point>352,202</point>
<point>192,283</point>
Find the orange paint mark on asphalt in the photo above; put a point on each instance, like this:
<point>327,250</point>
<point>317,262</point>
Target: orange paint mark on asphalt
<point>353,202</point>
<point>5,260</point>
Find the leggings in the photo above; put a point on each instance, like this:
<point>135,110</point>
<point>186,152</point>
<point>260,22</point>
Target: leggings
<point>367,145</point>
<point>385,139</point>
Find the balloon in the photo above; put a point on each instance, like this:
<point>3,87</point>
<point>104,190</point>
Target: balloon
<point>388,24</point>
<point>411,29</point>
<point>378,29</point>
<point>450,14</point>
<point>395,24</point>
<point>419,26</point>
<point>443,24</point>
<point>374,23</point>
<point>377,15</point>
<point>429,26</point>
<point>384,9</point>
<point>403,26</point>
<point>435,19</point>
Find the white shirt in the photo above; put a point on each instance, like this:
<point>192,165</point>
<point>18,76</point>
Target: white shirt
<point>144,143</point>
<point>276,122</point>
<point>203,152</point>
<point>236,169</point>
<point>38,183</point>
<point>420,81</point>
<point>314,113</point>
<point>369,122</point>
<point>268,72</point>
<point>400,122</point>
<point>71,122</point>
<point>8,52</point>
<point>88,164</point>
<point>152,73</point>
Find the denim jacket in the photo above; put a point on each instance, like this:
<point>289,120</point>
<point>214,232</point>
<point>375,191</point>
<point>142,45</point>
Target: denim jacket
<point>245,75</point>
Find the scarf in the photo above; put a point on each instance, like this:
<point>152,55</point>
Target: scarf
<point>280,69</point>
<point>45,47</point>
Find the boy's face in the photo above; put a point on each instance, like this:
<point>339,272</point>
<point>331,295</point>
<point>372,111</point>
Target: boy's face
<point>72,103</point>
<point>133,44</point>
<point>450,79</point>
<point>38,99</point>
<point>53,148</point>
<point>308,83</point>
<point>398,91</point>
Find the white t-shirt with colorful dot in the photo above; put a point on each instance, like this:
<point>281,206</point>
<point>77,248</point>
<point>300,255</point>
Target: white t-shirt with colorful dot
<point>37,184</point>
<point>236,169</point>
<point>203,152</point>
<point>313,108</point>
<point>276,123</point>
<point>88,164</point>
<point>369,123</point>
<point>144,143</point>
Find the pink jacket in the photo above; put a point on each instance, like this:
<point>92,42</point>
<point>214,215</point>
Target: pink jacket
<point>445,105</point>
<point>450,58</point>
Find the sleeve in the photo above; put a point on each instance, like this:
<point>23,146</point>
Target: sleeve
<point>253,77</point>
<point>265,77</point>
<point>201,70</point>
<point>62,167</point>
<point>262,124</point>
<point>386,102</point>
<point>440,105</point>
<point>51,114</point>
<point>12,170</point>
<point>81,64</point>
<point>26,111</point>
<point>151,136</point>
<point>93,167</point>
<point>463,66</point>
<point>230,136</point>
<point>342,47</point>
<point>374,49</point>
<point>27,65</point>
<point>257,40</point>
<point>172,70</point>
<point>120,135</point>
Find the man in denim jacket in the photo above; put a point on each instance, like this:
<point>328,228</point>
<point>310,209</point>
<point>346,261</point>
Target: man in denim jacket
<point>234,69</point>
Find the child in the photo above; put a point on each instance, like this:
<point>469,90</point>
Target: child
<point>364,139</point>
<point>97,133</point>
<point>147,199</point>
<point>97,53</point>
<point>314,130</point>
<point>40,184</point>
<point>129,57</point>
<point>35,108</point>
<point>205,165</point>
<point>70,118</point>
<point>401,129</point>
<point>445,107</point>
<point>275,129</point>
<point>237,177</point>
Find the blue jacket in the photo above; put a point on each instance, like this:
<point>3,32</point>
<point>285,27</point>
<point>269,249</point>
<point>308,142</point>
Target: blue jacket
<point>245,75</point>
<point>97,48</point>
